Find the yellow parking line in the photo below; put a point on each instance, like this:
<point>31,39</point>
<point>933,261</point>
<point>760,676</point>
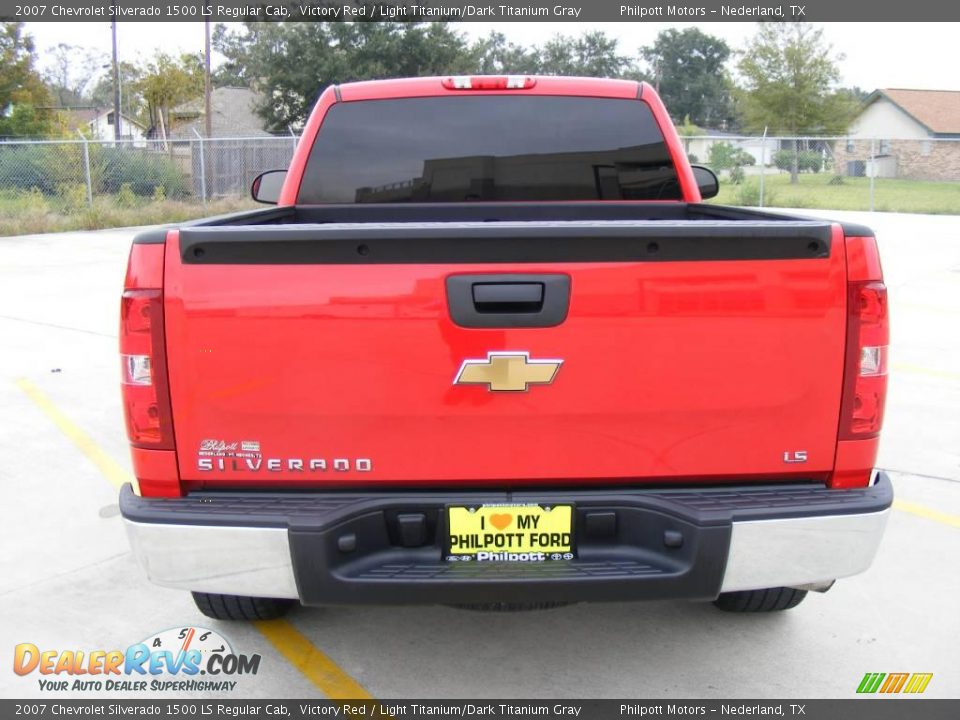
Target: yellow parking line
<point>110,468</point>
<point>318,668</point>
<point>919,370</point>
<point>927,513</point>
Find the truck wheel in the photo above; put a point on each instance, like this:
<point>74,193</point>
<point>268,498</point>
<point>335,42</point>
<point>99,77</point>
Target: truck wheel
<point>765,600</point>
<point>240,607</point>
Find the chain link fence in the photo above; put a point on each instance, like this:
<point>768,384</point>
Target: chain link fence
<point>840,173</point>
<point>58,185</point>
<point>44,179</point>
<point>78,171</point>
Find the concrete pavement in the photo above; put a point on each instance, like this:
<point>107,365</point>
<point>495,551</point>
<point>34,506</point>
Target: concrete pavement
<point>67,579</point>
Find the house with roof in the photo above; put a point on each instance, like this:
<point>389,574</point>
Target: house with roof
<point>97,124</point>
<point>698,146</point>
<point>238,149</point>
<point>903,133</point>
<point>233,115</point>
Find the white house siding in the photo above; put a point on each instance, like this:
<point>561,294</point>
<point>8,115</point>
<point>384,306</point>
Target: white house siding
<point>761,151</point>
<point>887,142</point>
<point>101,129</point>
<point>885,121</point>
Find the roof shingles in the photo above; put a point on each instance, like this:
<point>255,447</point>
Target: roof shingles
<point>938,110</point>
<point>233,115</point>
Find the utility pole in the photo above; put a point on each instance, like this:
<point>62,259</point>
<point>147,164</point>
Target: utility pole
<point>116,81</point>
<point>207,114</point>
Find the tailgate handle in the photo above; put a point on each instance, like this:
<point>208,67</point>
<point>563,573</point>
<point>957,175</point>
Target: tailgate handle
<point>508,297</point>
<point>508,300</point>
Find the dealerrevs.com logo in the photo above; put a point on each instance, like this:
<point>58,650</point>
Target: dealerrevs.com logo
<point>175,660</point>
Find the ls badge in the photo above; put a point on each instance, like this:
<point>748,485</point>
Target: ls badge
<point>507,372</point>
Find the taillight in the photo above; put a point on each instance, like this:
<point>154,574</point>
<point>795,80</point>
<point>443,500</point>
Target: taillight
<point>146,399</point>
<point>865,369</point>
<point>489,82</point>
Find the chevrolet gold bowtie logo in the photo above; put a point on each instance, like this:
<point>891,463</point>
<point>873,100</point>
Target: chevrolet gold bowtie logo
<point>507,372</point>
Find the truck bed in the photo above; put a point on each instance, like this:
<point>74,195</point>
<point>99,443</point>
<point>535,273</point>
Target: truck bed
<point>487,212</point>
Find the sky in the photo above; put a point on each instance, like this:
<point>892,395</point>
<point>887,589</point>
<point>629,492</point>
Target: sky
<point>877,55</point>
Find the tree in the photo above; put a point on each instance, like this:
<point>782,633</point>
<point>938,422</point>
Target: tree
<point>22,92</point>
<point>688,130</point>
<point>131,101</point>
<point>790,75</point>
<point>235,69</point>
<point>495,54</point>
<point>856,93</point>
<point>291,63</point>
<point>70,73</point>
<point>166,82</point>
<point>689,67</point>
<point>592,54</point>
<point>724,156</point>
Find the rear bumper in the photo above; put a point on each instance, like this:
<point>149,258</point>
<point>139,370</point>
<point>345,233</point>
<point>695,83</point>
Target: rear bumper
<point>338,547</point>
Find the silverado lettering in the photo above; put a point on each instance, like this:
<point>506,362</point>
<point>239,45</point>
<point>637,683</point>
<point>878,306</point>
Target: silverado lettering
<point>283,464</point>
<point>580,382</point>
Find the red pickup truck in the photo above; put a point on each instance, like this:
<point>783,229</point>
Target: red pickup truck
<point>490,348</point>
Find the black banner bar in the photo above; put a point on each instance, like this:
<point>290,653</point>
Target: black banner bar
<point>872,708</point>
<point>496,11</point>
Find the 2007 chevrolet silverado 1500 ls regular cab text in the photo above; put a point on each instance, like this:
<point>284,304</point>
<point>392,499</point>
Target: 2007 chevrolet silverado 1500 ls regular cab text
<point>492,349</point>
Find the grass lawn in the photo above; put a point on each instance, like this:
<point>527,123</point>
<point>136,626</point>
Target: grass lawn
<point>27,213</point>
<point>23,213</point>
<point>814,191</point>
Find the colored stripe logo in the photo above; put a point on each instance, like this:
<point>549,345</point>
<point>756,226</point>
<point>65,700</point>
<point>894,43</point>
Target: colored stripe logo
<point>891,683</point>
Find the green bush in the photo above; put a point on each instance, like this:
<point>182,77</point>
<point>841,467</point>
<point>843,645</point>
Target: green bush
<point>723,155</point>
<point>811,161</point>
<point>25,168</point>
<point>142,170</point>
<point>748,194</point>
<point>807,160</point>
<point>73,197</point>
<point>35,201</point>
<point>736,175</point>
<point>49,167</point>
<point>126,198</point>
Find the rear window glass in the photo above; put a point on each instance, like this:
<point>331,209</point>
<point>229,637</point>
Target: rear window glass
<point>486,148</point>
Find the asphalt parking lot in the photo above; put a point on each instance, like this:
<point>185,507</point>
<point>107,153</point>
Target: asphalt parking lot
<point>68,580</point>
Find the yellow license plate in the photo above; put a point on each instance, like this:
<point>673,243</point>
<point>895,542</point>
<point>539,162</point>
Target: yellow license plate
<point>510,533</point>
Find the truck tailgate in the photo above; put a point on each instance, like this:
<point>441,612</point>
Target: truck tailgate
<point>327,355</point>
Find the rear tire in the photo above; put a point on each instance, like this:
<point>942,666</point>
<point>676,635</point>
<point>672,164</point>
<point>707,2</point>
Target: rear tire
<point>764,600</point>
<point>240,607</point>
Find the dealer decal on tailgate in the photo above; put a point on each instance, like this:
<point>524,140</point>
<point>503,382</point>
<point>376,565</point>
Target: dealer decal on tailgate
<point>510,533</point>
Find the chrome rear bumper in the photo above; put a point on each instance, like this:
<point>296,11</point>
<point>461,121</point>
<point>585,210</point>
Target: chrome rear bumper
<point>251,561</point>
<point>801,551</point>
<point>734,539</point>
